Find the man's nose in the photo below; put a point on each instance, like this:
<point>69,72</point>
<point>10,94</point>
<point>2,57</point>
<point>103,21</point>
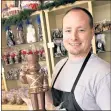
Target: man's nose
<point>74,35</point>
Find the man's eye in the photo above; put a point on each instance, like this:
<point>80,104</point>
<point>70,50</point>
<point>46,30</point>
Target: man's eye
<point>81,30</point>
<point>67,30</point>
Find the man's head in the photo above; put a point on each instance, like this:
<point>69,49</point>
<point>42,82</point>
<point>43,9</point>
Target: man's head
<point>77,31</point>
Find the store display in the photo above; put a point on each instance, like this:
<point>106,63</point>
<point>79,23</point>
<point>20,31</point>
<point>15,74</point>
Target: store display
<point>17,57</point>
<point>14,56</point>
<point>59,49</point>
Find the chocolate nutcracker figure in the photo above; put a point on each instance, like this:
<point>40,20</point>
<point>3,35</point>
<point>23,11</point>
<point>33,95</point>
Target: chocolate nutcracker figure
<point>38,82</point>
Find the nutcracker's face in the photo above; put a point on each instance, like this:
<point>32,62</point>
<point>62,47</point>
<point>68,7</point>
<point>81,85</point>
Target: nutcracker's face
<point>32,59</point>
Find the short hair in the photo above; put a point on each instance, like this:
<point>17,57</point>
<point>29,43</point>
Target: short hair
<point>84,10</point>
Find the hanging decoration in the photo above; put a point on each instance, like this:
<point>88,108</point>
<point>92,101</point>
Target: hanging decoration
<point>10,9</point>
<point>25,13</point>
<point>30,32</point>
<point>16,19</point>
<point>54,3</point>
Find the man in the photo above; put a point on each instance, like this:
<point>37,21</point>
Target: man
<point>81,81</point>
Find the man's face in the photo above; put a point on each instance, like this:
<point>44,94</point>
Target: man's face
<point>77,33</point>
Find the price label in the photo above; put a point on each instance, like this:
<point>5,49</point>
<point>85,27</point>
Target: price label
<point>50,45</point>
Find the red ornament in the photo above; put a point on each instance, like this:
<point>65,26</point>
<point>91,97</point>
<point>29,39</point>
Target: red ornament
<point>24,52</point>
<point>33,6</point>
<point>12,55</point>
<point>4,57</point>
<point>36,52</point>
<point>30,52</point>
<point>41,51</point>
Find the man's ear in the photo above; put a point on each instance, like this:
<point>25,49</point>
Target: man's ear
<point>93,32</point>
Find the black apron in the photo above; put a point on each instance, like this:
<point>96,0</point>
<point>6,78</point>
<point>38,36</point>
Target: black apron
<point>68,98</point>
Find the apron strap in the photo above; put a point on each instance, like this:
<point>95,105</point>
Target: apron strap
<point>80,72</point>
<point>59,72</point>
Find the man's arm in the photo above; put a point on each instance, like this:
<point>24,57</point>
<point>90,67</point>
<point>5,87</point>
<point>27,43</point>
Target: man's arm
<point>103,93</point>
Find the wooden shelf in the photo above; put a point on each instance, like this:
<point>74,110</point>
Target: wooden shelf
<point>104,52</point>
<point>18,64</point>
<point>64,8</point>
<point>14,107</point>
<point>24,45</point>
<point>103,32</point>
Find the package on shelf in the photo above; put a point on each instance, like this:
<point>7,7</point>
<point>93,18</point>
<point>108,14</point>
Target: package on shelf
<point>59,49</point>
<point>20,35</point>
<point>13,96</point>
<point>102,26</point>
<point>5,59</point>
<point>39,28</point>
<point>30,33</point>
<point>41,53</point>
<point>23,92</point>
<point>10,38</point>
<point>43,70</point>
<point>28,4</point>
<point>100,42</point>
<point>56,33</point>
<point>4,97</point>
<point>13,74</point>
